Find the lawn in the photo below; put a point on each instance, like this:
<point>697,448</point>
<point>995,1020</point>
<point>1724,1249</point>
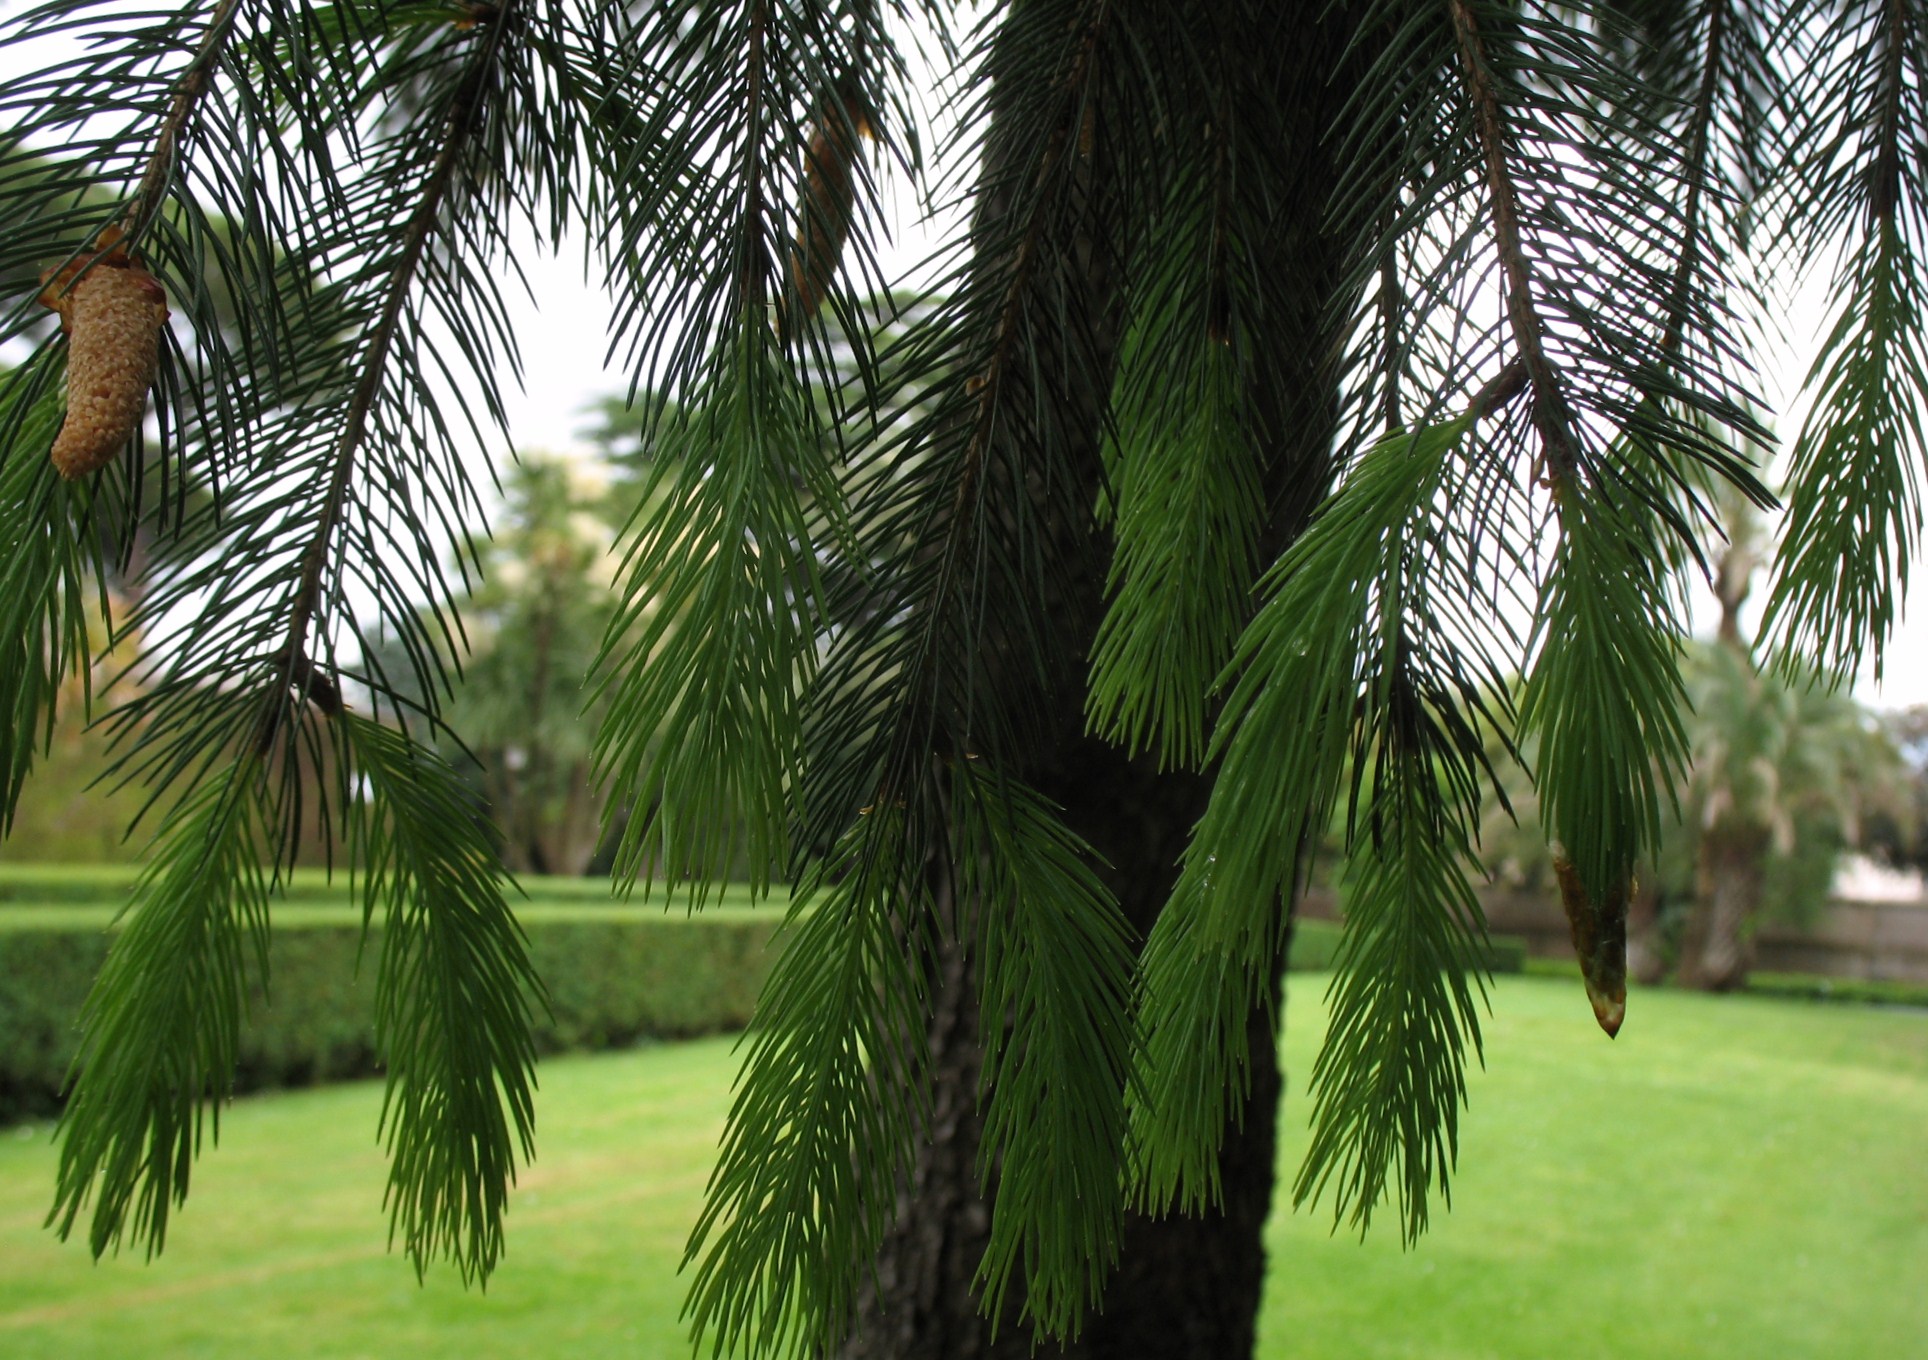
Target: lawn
<point>65,896</point>
<point>1733,1178</point>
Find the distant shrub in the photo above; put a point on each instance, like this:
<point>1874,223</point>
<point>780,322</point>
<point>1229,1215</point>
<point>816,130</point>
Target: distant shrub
<point>44,976</point>
<point>615,976</point>
<point>611,983</point>
<point>1852,991</point>
<point>1505,954</point>
<point>1315,944</point>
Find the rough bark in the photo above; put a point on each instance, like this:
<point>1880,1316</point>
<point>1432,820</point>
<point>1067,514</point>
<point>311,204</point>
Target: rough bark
<point>1186,1288</point>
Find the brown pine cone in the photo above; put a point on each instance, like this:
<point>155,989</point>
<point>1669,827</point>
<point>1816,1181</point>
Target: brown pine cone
<point>829,196</point>
<point>113,318</point>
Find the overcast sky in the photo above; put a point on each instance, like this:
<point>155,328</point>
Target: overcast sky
<point>564,340</point>
<point>563,334</point>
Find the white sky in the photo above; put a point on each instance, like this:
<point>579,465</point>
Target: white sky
<point>563,340</point>
<point>563,334</point>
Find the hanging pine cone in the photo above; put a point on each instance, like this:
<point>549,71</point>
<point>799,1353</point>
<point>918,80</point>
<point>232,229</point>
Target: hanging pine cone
<point>829,196</point>
<point>112,315</point>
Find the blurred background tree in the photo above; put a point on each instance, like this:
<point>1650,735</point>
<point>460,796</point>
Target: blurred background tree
<point>534,622</point>
<point>70,811</point>
<point>1785,774</point>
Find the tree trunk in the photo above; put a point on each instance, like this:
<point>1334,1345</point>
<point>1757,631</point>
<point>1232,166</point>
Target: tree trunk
<point>1185,1288</point>
<point>1718,950</point>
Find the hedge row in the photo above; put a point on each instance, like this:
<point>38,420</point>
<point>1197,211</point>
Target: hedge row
<point>615,976</point>
<point>109,885</point>
<point>611,983</point>
<point>1315,944</point>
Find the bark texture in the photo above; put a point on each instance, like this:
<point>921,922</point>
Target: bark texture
<point>1185,1288</point>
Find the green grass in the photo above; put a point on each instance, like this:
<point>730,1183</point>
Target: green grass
<point>66,916</point>
<point>330,905</point>
<point>1733,1178</point>
<point>46,885</point>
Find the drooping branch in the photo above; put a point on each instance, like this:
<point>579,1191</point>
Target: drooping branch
<point>1699,139</point>
<point>193,84</point>
<point>1507,384</point>
<point>1391,303</point>
<point>990,378</point>
<point>990,382</point>
<point>750,270</point>
<point>1884,189</point>
<point>1854,507</point>
<point>1529,328</point>
<point>464,111</point>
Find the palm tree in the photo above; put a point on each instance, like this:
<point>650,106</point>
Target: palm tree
<point>533,623</point>
<point>1302,371</point>
<point>1783,772</point>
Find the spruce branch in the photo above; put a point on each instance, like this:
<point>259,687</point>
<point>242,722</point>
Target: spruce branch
<point>195,80</point>
<point>60,549</point>
<point>1347,666</point>
<point>752,254</point>
<point>987,447</point>
<point>459,123</point>
<point>1390,1079</point>
<point>161,1025</point>
<point>52,579</point>
<point>716,640</point>
<point>1697,172</point>
<point>1055,964</point>
<point>1390,303</point>
<point>1193,426</point>
<point>1854,490</point>
<point>1884,186</point>
<point>1189,507</point>
<point>944,602</point>
<point>706,656</point>
<point>828,1107</point>
<point>1550,416</point>
<point>1604,697</point>
<point>452,1001</point>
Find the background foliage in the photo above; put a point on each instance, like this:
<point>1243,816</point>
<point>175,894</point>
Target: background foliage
<point>617,977</point>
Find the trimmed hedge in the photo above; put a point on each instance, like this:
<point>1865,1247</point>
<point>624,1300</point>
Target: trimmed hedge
<point>44,974</point>
<point>31,884</point>
<point>1316,943</point>
<point>611,983</point>
<point>615,975</point>
<point>1785,986</point>
<point>1849,991</point>
<point>109,885</point>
